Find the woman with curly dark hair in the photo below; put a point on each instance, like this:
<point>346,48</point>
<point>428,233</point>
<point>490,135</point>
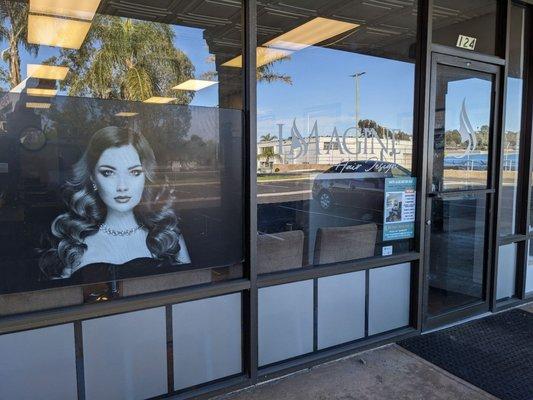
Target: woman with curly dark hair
<point>114,216</point>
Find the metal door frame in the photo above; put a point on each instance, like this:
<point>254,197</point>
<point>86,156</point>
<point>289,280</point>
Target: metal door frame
<point>490,191</point>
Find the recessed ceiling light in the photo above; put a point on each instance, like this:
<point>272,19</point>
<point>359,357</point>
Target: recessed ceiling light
<point>234,62</point>
<point>40,71</point>
<point>126,114</point>
<point>312,32</point>
<point>80,9</point>
<point>159,100</point>
<point>194,85</point>
<point>58,32</point>
<point>264,56</point>
<point>38,105</point>
<point>41,92</point>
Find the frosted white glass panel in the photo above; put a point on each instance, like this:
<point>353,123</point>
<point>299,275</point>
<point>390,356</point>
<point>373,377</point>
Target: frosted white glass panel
<point>207,340</point>
<point>341,309</point>
<point>529,271</point>
<point>285,321</point>
<point>38,364</point>
<point>506,271</point>
<point>125,355</point>
<point>389,293</point>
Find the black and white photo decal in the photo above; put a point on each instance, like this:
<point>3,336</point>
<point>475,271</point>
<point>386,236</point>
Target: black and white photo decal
<point>90,193</point>
<point>114,214</point>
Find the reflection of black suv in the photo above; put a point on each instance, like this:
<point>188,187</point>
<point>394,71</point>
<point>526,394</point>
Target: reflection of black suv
<point>358,184</point>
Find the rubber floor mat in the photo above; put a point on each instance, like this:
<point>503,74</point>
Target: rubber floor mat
<point>494,353</point>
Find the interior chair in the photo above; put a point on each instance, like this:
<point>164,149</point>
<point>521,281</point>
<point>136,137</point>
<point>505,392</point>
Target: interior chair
<point>280,251</point>
<point>345,243</point>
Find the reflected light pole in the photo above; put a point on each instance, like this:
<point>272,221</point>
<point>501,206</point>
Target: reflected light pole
<point>357,98</point>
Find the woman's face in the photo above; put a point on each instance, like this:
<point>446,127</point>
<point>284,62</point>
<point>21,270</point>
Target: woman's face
<point>119,178</point>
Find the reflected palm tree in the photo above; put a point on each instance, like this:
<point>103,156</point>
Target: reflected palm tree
<point>268,137</point>
<point>128,60</point>
<point>264,73</point>
<point>267,73</point>
<point>268,154</point>
<point>14,31</point>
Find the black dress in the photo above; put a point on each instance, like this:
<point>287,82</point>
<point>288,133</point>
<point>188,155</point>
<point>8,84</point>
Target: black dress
<point>107,272</point>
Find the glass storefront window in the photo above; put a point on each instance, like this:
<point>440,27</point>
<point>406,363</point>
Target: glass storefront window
<point>120,146</point>
<point>457,251</point>
<point>470,25</point>
<point>462,129</point>
<point>513,117</point>
<point>335,124</point>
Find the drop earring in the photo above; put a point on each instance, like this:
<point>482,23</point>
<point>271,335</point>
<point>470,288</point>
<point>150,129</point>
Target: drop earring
<point>94,187</point>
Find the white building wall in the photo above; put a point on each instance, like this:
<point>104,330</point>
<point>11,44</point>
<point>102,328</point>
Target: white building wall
<point>329,151</point>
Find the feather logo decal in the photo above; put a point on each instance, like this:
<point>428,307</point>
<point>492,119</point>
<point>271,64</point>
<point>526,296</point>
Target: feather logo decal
<point>468,135</point>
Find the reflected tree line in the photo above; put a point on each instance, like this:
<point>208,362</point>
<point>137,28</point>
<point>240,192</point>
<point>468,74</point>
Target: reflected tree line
<point>454,141</point>
<point>382,131</point>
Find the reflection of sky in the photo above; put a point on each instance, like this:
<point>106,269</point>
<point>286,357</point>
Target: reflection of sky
<point>188,40</point>
<point>477,93</point>
<point>191,42</point>
<point>323,90</point>
<point>513,105</point>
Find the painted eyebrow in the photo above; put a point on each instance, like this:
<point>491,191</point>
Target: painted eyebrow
<point>114,169</point>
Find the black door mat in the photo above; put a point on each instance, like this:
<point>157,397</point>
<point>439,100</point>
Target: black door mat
<point>494,353</point>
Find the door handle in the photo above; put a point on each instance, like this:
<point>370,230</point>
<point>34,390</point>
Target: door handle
<point>428,222</point>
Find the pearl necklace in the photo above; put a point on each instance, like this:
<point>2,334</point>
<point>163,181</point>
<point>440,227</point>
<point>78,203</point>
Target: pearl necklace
<point>125,232</point>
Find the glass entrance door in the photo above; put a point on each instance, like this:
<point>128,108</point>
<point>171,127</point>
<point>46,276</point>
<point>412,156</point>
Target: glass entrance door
<point>460,188</point>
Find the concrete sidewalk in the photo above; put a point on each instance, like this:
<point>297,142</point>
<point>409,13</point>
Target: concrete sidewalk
<point>389,372</point>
